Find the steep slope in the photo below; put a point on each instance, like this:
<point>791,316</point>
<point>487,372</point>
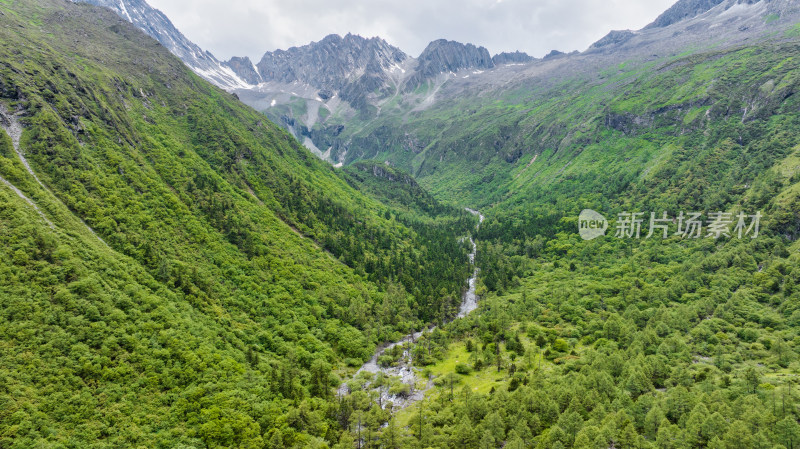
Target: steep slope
<point>314,90</point>
<point>351,67</point>
<point>683,9</point>
<point>516,57</point>
<point>341,78</point>
<point>159,27</point>
<point>237,273</point>
<point>656,342</point>
<point>483,130</point>
<point>331,63</point>
<point>401,191</point>
<point>646,342</point>
<point>447,72</point>
<point>443,56</point>
<point>245,68</point>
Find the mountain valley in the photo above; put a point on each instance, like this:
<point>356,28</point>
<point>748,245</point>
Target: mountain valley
<point>288,253</point>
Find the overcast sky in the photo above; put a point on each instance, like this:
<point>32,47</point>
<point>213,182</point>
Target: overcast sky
<point>251,27</point>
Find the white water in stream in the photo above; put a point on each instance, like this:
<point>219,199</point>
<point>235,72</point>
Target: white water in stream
<point>470,300</point>
<point>405,369</point>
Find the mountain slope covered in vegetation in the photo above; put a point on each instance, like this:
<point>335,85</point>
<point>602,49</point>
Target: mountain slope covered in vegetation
<point>654,342</point>
<point>177,269</point>
<point>179,272</point>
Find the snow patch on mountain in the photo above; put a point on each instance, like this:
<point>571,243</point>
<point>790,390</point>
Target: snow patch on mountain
<point>155,24</point>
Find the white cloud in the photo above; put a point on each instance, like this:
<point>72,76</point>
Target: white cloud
<point>251,27</point>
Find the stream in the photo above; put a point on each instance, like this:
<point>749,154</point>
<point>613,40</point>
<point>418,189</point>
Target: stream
<point>470,300</point>
<point>405,369</point>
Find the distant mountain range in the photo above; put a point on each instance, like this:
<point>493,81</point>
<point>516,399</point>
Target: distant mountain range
<point>355,70</point>
<point>344,64</point>
<point>335,63</point>
<point>324,90</point>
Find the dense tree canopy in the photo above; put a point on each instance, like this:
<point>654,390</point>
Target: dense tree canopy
<point>176,271</point>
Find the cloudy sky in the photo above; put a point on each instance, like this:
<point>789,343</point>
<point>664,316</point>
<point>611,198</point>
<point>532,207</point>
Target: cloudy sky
<point>251,27</point>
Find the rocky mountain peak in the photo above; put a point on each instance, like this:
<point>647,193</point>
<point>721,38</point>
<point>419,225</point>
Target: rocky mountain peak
<point>554,54</point>
<point>516,57</point>
<point>442,56</point>
<point>613,38</point>
<point>155,24</point>
<point>245,68</point>
<point>332,62</point>
<point>682,10</point>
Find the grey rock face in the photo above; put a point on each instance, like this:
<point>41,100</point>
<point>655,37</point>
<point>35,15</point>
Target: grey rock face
<point>684,9</point>
<point>516,57</point>
<point>331,63</point>
<point>613,38</point>
<point>554,54</point>
<point>325,92</point>
<point>351,66</point>
<point>154,23</point>
<point>442,56</point>
<point>245,69</point>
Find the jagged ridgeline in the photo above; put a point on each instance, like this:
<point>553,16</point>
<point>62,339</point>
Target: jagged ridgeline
<point>185,272</point>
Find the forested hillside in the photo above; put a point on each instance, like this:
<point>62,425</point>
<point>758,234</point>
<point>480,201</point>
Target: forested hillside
<point>653,342</point>
<point>177,270</point>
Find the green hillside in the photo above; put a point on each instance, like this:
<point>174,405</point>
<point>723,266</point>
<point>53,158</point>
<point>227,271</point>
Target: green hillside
<point>632,343</point>
<point>600,127</point>
<point>400,190</point>
<point>233,276</point>
<point>178,272</point>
